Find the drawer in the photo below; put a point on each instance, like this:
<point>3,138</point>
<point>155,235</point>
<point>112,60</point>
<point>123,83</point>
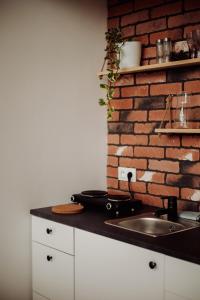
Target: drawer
<point>53,273</point>
<point>53,234</point>
<point>182,278</point>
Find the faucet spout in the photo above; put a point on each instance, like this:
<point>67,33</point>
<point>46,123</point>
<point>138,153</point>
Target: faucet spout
<point>171,210</point>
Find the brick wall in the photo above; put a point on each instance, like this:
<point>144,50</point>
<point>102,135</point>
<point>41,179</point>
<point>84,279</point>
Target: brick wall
<point>168,165</point>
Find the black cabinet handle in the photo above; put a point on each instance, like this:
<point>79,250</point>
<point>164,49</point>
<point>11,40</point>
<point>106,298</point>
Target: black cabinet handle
<point>49,257</point>
<point>48,230</point>
<point>152,265</point>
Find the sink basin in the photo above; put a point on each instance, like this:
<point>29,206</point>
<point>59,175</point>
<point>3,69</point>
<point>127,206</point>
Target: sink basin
<point>150,225</point>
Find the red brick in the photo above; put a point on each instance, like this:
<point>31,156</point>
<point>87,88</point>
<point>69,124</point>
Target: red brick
<point>112,150</point>
<point>191,4</point>
<point>149,103</point>
<point>153,152</point>
<point>149,52</point>
<point>182,154</point>
<point>128,31</point>
<point>144,128</point>
<point>134,18</point>
<point>121,9</point>
<point>114,22</point>
<point>184,19</point>
<point>112,2</point>
<point>135,186</point>
<point>153,77</point>
<point>174,35</point>
<point>135,91</point>
<point>190,194</point>
<point>189,28</point>
<point>112,172</point>
<point>113,139</point>
<point>191,168</point>
<point>134,115</point>
<point>139,4</point>
<point>117,192</point>
<point>165,89</point>
<point>166,10</point>
<point>157,115</point>
<point>144,39</point>
<point>149,176</point>
<point>152,61</point>
<point>133,163</point>
<point>115,116</point>
<point>162,190</point>
<point>191,141</point>
<point>120,151</point>
<point>194,100</point>
<point>164,165</point>
<point>164,140</point>
<point>116,93</point>
<point>148,199</point>
<point>192,86</point>
<point>125,80</point>
<point>112,183</point>
<point>122,104</point>
<point>184,74</point>
<point>151,26</point>
<point>172,179</point>
<point>134,139</point>
<point>112,161</point>
<point>145,62</point>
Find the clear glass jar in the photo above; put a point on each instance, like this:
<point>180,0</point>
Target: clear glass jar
<point>181,119</point>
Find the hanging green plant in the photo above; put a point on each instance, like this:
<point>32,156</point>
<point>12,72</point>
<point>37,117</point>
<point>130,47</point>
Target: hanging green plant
<point>114,44</point>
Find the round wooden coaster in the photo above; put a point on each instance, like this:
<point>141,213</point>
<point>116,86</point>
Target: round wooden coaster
<point>67,208</point>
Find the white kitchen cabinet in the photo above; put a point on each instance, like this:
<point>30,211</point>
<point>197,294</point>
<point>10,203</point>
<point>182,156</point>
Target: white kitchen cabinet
<point>182,278</point>
<point>106,269</point>
<point>53,269</point>
<point>36,296</point>
<point>171,296</point>
<point>52,234</point>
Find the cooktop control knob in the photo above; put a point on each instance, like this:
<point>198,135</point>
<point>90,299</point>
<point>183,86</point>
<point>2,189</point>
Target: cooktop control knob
<point>108,206</point>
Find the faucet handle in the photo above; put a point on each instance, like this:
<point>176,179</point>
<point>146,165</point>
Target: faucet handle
<point>171,199</point>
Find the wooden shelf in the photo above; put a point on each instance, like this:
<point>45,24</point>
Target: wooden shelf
<point>178,131</point>
<point>167,65</point>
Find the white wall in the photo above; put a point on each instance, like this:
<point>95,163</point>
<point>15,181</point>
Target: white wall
<point>52,131</point>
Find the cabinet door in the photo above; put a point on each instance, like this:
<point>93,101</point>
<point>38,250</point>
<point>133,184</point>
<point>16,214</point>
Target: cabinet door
<point>182,278</point>
<point>106,269</point>
<point>36,296</point>
<point>170,296</point>
<point>53,274</point>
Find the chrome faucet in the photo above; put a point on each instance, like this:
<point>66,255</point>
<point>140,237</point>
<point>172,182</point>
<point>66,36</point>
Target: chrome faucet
<point>171,209</point>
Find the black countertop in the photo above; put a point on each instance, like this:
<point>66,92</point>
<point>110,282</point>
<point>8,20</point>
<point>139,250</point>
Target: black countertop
<point>183,245</point>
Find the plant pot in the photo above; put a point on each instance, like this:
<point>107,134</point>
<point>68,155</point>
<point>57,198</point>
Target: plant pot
<point>130,54</point>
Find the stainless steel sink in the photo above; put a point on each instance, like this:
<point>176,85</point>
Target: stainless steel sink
<point>150,225</point>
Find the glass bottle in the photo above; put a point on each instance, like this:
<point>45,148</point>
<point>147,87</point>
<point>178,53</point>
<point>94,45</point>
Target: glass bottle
<point>167,49</point>
<point>159,51</point>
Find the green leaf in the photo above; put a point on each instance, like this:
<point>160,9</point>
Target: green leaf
<point>104,86</point>
<point>111,93</point>
<point>102,102</point>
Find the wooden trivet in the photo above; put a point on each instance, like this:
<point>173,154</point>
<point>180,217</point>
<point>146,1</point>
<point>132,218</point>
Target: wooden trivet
<point>67,208</point>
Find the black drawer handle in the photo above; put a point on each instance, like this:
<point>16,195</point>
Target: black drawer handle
<point>48,230</point>
<point>152,265</point>
<point>49,257</point>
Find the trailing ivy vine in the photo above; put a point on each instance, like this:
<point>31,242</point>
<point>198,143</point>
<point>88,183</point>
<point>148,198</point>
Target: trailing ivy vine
<point>114,44</point>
